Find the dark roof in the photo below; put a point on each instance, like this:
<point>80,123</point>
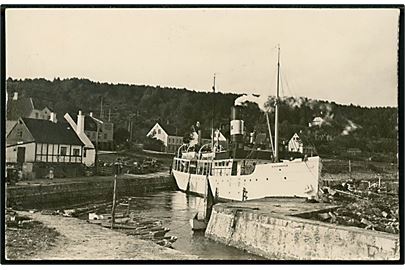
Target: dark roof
<point>45,131</point>
<point>21,107</point>
<point>89,123</point>
<point>170,130</point>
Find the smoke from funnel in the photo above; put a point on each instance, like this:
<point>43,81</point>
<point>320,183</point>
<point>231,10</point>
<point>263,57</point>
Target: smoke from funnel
<point>259,100</point>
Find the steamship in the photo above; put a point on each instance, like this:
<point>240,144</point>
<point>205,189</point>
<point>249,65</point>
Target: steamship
<point>241,174</point>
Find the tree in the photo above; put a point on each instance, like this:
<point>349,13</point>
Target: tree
<point>121,135</point>
<point>153,144</point>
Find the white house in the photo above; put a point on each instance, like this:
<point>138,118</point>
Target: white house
<point>24,107</point>
<point>89,151</point>
<point>317,121</point>
<point>38,145</point>
<point>168,135</point>
<point>295,144</point>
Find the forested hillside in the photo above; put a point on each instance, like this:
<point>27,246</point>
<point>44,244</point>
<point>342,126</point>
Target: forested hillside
<point>338,127</point>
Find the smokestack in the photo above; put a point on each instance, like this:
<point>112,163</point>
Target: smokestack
<point>237,125</point>
<point>53,117</point>
<point>15,96</point>
<point>237,130</point>
<point>80,123</point>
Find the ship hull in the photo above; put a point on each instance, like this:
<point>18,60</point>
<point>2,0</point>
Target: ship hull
<point>284,179</point>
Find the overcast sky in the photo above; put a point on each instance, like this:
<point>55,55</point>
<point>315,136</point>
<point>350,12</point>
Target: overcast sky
<point>346,56</point>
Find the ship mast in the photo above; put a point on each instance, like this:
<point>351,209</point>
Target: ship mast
<point>212,119</point>
<point>276,109</point>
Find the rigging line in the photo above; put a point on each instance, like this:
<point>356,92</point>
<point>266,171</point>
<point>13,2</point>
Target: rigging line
<point>272,78</point>
<point>309,168</point>
<point>286,82</point>
<point>281,84</point>
<point>284,78</point>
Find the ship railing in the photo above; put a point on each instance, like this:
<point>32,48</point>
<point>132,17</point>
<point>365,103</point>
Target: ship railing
<point>200,155</point>
<point>178,150</point>
<point>181,165</point>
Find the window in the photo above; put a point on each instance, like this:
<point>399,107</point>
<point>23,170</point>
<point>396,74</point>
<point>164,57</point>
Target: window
<point>36,115</point>
<point>84,153</point>
<point>107,126</point>
<point>19,134</point>
<point>158,131</point>
<point>63,150</point>
<point>76,152</point>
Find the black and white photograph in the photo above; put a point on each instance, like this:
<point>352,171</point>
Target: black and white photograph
<point>205,133</point>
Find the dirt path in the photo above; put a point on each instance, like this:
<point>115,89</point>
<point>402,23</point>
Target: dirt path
<point>81,240</point>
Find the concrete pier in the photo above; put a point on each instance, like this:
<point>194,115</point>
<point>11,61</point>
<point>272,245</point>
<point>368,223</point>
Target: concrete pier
<point>270,228</point>
<point>52,193</point>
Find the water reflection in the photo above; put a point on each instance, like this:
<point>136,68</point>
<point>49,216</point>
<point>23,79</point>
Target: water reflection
<point>175,209</point>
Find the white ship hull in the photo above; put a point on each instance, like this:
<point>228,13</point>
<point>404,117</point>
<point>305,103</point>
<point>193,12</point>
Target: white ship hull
<point>295,178</point>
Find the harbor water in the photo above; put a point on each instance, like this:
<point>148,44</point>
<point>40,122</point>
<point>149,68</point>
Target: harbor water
<point>174,209</point>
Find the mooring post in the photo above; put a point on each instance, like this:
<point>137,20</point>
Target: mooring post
<point>113,205</point>
<point>117,170</point>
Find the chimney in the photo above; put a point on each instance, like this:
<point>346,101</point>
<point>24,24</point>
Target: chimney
<point>53,117</point>
<point>80,123</point>
<point>15,96</point>
<point>91,114</point>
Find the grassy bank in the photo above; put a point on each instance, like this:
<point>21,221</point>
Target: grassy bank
<point>27,238</point>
